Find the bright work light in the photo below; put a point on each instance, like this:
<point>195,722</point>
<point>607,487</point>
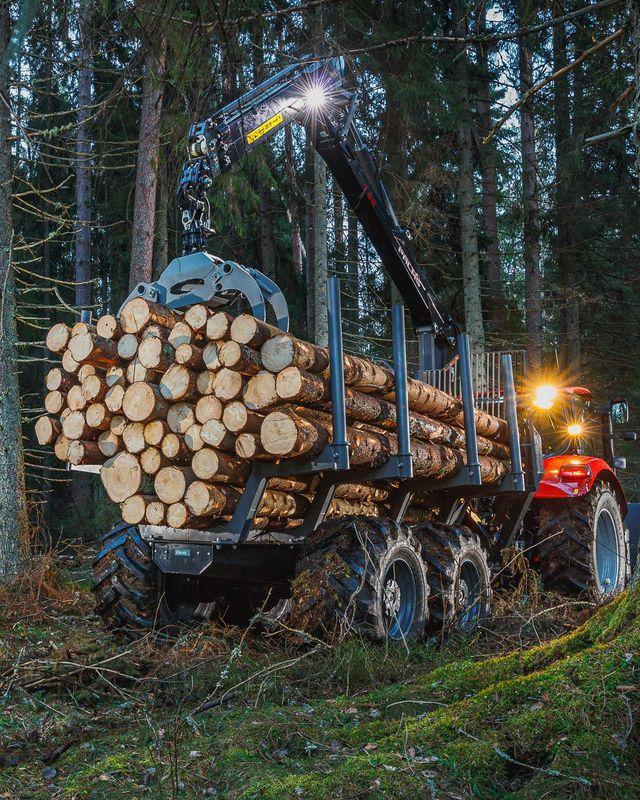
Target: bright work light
<point>575,429</point>
<point>544,396</point>
<point>315,97</point>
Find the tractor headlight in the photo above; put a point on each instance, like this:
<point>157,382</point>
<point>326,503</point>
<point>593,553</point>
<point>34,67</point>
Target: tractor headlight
<point>545,396</point>
<point>315,97</point>
<point>575,429</point>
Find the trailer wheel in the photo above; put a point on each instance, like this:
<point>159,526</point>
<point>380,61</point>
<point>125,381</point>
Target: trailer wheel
<point>131,593</point>
<point>360,574</point>
<point>583,545</point>
<point>458,574</point>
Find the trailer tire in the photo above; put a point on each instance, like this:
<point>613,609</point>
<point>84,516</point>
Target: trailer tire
<point>582,545</point>
<point>129,588</point>
<point>458,574</point>
<point>362,575</point>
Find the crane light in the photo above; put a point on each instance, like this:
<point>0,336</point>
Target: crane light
<point>315,97</point>
<point>575,429</point>
<point>544,396</point>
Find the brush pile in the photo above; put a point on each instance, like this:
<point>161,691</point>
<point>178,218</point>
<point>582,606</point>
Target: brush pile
<point>175,408</point>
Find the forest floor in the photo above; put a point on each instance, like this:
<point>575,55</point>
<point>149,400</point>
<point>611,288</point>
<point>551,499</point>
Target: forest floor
<point>542,703</point>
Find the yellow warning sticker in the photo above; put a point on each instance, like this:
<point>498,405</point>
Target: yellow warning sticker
<point>260,131</point>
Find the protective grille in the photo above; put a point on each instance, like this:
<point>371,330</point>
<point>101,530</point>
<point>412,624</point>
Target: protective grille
<point>487,378</point>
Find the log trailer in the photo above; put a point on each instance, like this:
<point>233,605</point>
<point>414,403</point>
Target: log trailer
<point>383,577</point>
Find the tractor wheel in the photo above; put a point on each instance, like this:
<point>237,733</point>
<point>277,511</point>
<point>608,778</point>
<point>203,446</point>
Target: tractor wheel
<point>360,574</point>
<point>458,574</point>
<point>132,594</point>
<point>582,545</point>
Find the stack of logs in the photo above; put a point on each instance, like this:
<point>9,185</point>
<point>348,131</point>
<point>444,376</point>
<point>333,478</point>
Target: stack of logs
<point>175,407</point>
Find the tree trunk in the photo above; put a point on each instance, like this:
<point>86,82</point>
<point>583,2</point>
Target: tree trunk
<point>293,213</point>
<point>352,268</point>
<point>530,208</point>
<point>161,235</point>
<point>83,155</point>
<point>321,330</point>
<point>13,520</point>
<point>267,242</point>
<point>144,210</point>
<point>489,188</point>
<point>309,238</point>
<point>467,200</point>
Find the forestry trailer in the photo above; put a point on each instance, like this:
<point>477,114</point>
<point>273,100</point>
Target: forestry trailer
<point>387,577</point>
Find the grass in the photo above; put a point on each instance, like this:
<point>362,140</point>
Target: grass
<point>87,715</point>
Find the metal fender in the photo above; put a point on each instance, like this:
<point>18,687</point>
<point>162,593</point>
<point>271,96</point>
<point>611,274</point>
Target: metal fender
<point>573,476</point>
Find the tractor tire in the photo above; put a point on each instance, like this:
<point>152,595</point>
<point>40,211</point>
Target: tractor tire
<point>458,574</point>
<point>582,545</point>
<point>362,575</point>
<point>129,588</point>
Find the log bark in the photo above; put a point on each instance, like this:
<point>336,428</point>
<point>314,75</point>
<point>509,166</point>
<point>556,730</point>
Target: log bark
<point>218,326</point>
<point>178,383</point>
<point>246,329</point>
<point>133,437</point>
<point>171,483</point>
<point>84,453</point>
<point>108,327</point>
<point>228,385</point>
<point>59,380</point>
<point>215,434</point>
<point>143,402</point>
<point>155,431</point>
<point>155,353</point>
<point>260,392</point>
<point>91,348</point>
<point>109,443</point>
<point>138,313</point>
<point>98,417</point>
<point>180,417</point>
<point>189,356</point>
<point>175,448</point>
<point>121,476</point>
<point>297,386</point>
<point>209,464</point>
<point>208,407</point>
<point>238,419</point>
<point>47,430</point>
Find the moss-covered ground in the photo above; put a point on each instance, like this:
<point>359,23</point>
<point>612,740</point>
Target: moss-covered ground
<point>87,715</point>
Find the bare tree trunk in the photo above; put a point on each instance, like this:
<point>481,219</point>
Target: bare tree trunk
<point>13,519</point>
<point>352,265</point>
<point>293,213</point>
<point>161,234</point>
<point>267,243</point>
<point>467,200</point>
<point>144,211</point>
<point>634,32</point>
<point>338,228</point>
<point>321,332</point>
<point>83,155</point>
<point>489,188</point>
<point>309,238</point>
<point>531,211</point>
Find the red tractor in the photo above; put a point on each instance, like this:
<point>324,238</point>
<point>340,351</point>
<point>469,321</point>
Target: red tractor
<point>581,543</point>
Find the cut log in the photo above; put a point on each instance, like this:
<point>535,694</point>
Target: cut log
<point>121,476</point>
<point>134,508</point>
<point>118,424</point>
<point>128,346</point>
<point>47,430</point>
<point>360,491</point>
<point>209,464</point>
<point>246,329</point>
<point>284,351</point>
<point>133,437</point>
<point>228,385</point>
<point>84,370</point>
<point>61,447</point>
<point>180,333</point>
<point>75,427</point>
<point>178,515</point>
<point>152,460</point>
<point>196,317</point>
<point>208,407</point>
<point>218,326</point>
<point>69,364</point>
<point>214,433</point>
<point>91,348</point>
<point>260,392</point>
<point>180,417</point>
<point>75,399</point>
<point>284,433</point>
<point>155,353</point>
<point>205,382</point>
<point>343,508</point>
<point>114,397</point>
<point>155,514</point>
<point>98,417</point>
<point>238,419</point>
<point>58,337</point>
<point>84,453</point>
<point>155,431</point>
<point>82,327</point>
<point>303,484</point>
<point>205,499</point>
<point>143,402</point>
<point>210,356</point>
<point>94,389</point>
<point>115,376</point>
<point>297,386</point>
<point>178,383</point>
<point>108,327</point>
<point>283,504</point>
<point>240,358</point>
<point>136,372</point>
<point>109,443</point>
<point>249,446</point>
<point>192,438</point>
<point>171,483</point>
<point>54,401</point>
<point>138,313</point>
<point>59,380</point>
<point>174,448</point>
<point>189,356</point>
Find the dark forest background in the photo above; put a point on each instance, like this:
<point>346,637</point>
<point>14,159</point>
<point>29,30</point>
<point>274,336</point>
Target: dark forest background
<point>532,238</point>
